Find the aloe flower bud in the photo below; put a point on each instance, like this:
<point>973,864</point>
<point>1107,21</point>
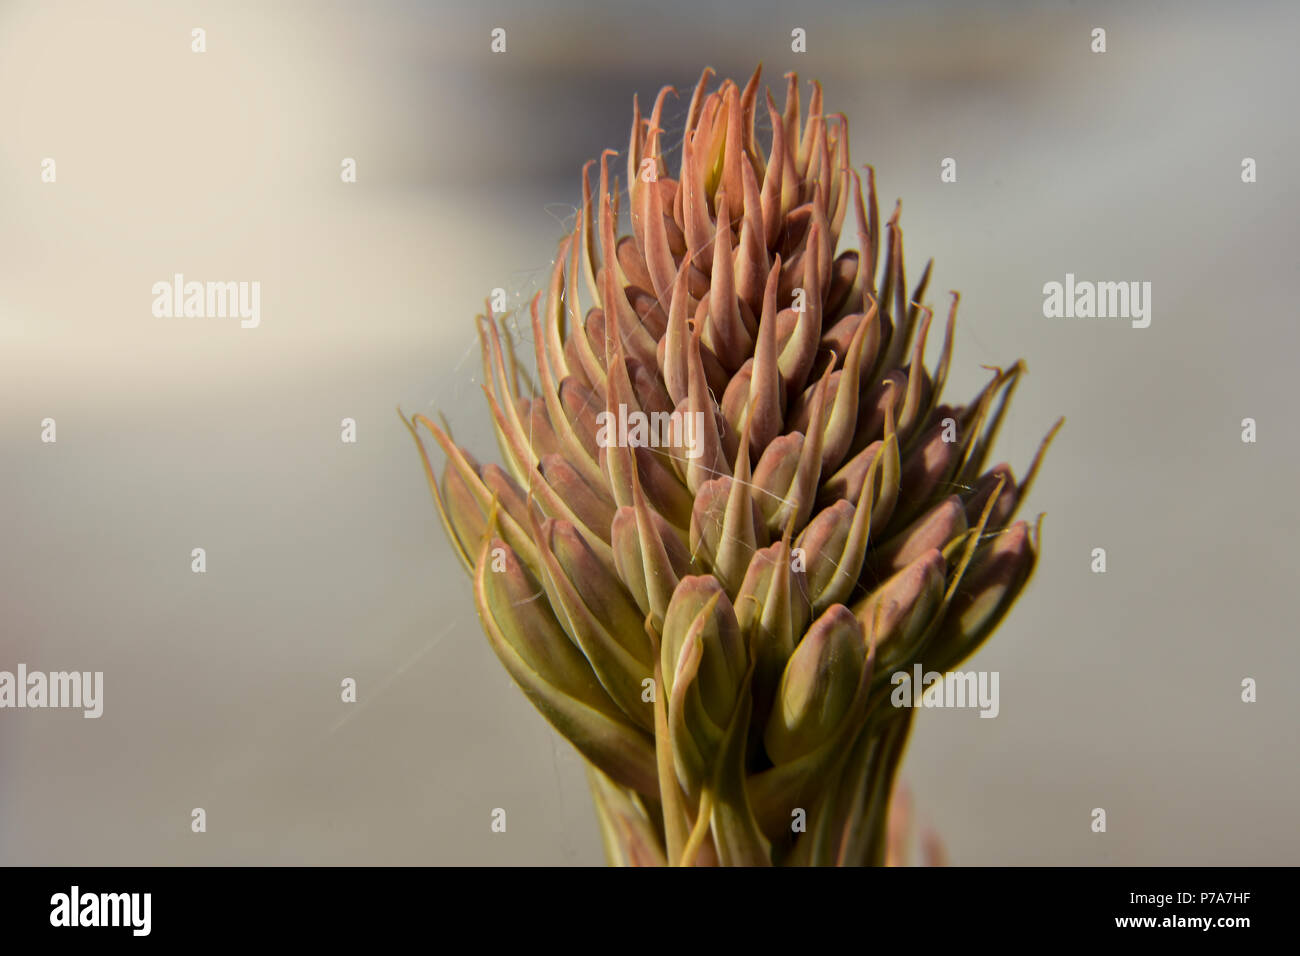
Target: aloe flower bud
<point>703,654</point>
<point>773,612</point>
<point>985,594</point>
<point>553,673</point>
<point>904,605</point>
<point>939,526</point>
<point>731,496</point>
<point>818,686</point>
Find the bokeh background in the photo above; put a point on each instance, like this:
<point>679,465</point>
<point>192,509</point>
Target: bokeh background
<point>326,560</point>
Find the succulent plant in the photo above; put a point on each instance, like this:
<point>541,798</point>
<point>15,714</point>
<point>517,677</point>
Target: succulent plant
<point>708,602</point>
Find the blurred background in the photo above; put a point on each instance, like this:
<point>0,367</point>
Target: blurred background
<point>325,560</point>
